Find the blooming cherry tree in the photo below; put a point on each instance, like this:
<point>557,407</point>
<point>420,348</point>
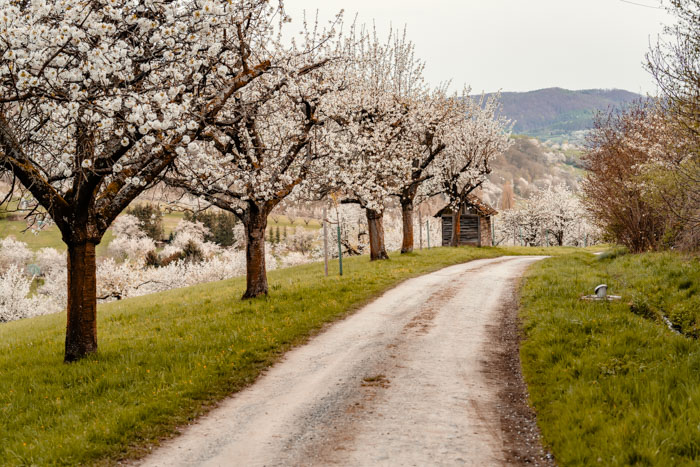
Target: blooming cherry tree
<point>373,122</point>
<point>264,142</point>
<point>471,144</point>
<point>14,253</point>
<point>433,117</point>
<point>15,299</point>
<point>560,211</point>
<point>130,240</point>
<point>98,98</point>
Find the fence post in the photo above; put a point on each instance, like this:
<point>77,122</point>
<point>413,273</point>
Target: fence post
<point>340,251</point>
<point>427,227</point>
<point>325,241</point>
<point>420,229</point>
<point>521,235</point>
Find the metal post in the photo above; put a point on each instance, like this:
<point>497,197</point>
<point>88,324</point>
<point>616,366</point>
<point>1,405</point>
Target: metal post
<point>427,227</point>
<point>521,236</point>
<point>340,251</point>
<point>325,241</point>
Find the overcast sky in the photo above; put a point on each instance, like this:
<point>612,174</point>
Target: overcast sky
<point>517,45</point>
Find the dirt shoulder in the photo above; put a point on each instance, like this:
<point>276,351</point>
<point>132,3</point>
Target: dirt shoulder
<point>522,444</point>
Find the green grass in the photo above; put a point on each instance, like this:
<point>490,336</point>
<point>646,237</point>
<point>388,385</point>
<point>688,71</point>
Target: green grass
<point>611,387</point>
<point>163,359</point>
<point>661,285</point>
<point>51,237</point>
<point>170,221</point>
<point>283,221</point>
<point>47,238</point>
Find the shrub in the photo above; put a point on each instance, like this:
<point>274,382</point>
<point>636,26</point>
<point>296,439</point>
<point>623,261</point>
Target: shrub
<point>219,224</point>
<point>151,219</point>
<point>13,252</point>
<point>192,253</point>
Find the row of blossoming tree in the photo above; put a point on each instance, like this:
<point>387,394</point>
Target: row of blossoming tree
<point>103,99</point>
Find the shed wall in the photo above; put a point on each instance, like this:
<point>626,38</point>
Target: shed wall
<point>469,230</point>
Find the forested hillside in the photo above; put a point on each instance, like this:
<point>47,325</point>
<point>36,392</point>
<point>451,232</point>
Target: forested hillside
<point>560,114</point>
<point>530,163</point>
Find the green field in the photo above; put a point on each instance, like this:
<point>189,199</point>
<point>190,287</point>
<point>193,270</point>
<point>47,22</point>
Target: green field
<point>51,237</point>
<point>164,358</point>
<point>611,387</point>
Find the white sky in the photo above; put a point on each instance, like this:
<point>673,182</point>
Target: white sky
<point>516,45</point>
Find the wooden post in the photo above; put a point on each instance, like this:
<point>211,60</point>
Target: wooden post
<point>340,251</point>
<point>427,226</point>
<point>420,229</point>
<point>478,231</point>
<point>325,241</point>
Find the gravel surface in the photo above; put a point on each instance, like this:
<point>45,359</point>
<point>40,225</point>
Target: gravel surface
<point>427,374</point>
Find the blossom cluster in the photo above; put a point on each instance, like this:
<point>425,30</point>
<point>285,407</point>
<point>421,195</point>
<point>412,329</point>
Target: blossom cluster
<point>552,216</point>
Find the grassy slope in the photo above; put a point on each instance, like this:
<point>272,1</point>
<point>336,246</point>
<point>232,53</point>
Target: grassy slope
<point>51,237</point>
<point>47,238</point>
<point>611,387</point>
<point>163,358</point>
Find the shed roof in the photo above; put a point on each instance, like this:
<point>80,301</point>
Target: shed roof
<point>473,201</point>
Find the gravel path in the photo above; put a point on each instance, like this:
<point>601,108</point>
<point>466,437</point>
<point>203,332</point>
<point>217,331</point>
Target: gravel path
<point>427,374</point>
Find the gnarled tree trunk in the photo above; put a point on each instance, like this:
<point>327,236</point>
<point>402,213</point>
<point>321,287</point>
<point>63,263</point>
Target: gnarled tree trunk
<point>456,227</point>
<point>375,222</point>
<point>407,216</point>
<point>255,221</point>
<point>81,329</point>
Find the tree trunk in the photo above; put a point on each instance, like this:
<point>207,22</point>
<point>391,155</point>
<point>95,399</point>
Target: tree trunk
<point>407,215</point>
<point>456,226</point>
<point>81,330</point>
<point>560,238</point>
<point>375,222</point>
<point>256,274</point>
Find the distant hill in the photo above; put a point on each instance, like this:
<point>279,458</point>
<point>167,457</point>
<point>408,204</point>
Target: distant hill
<point>558,114</point>
<point>531,164</point>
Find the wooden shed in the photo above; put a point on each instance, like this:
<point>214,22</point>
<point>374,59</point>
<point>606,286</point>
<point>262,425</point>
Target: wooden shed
<point>475,223</point>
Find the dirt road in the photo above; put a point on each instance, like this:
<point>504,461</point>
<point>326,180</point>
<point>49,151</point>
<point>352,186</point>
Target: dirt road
<point>424,375</point>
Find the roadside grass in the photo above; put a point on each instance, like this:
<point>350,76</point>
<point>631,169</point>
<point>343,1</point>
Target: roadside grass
<point>661,285</point>
<point>611,387</point>
<point>165,358</point>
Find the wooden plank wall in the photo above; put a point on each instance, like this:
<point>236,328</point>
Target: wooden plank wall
<point>468,232</point>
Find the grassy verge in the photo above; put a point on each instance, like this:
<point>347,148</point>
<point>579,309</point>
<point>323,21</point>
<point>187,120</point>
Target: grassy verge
<point>660,285</point>
<point>164,358</point>
<point>611,387</point>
